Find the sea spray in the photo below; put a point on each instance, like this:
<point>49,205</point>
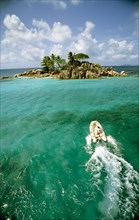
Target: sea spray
<point>115,178</point>
<point>88,144</point>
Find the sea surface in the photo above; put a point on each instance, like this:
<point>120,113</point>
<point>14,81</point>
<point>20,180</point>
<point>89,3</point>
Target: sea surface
<point>49,168</point>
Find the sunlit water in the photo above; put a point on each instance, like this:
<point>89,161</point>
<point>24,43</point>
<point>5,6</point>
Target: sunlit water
<point>49,169</point>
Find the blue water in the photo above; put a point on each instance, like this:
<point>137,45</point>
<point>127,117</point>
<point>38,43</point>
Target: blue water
<point>11,72</point>
<point>48,167</point>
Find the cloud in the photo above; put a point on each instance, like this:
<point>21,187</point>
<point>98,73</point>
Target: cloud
<point>56,49</point>
<point>31,53</point>
<point>58,4</point>
<point>119,56</point>
<point>31,43</point>
<point>121,46</point>
<point>84,41</point>
<point>118,51</point>
<point>8,56</point>
<point>27,45</point>
<point>75,2</point>
<point>13,23</point>
<point>100,46</point>
<point>17,33</point>
<point>59,33</point>
<point>41,24</point>
<point>134,56</point>
<point>89,26</point>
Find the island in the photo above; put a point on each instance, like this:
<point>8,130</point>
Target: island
<point>75,68</point>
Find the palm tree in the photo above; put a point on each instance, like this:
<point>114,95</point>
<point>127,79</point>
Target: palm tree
<point>81,56</point>
<point>47,63</point>
<point>53,60</point>
<point>71,58</point>
<point>74,58</point>
<point>60,62</point>
<point>52,63</point>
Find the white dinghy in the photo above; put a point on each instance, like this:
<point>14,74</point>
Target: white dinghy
<point>96,131</point>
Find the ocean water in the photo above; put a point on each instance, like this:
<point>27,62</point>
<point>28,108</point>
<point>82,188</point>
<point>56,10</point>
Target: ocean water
<point>49,169</point>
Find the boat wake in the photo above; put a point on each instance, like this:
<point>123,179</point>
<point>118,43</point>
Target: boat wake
<point>115,180</point>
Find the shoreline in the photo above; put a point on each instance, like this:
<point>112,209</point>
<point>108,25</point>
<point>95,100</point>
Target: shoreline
<point>50,77</point>
<point>24,77</point>
<point>71,73</point>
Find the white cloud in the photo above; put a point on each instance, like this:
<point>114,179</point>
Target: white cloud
<point>119,56</point>
<point>59,33</point>
<point>41,24</point>
<point>100,46</point>
<point>56,49</point>
<point>13,23</point>
<point>21,44</point>
<point>59,4</point>
<point>121,46</point>
<point>31,53</point>
<point>120,50</point>
<point>89,26</point>
<point>117,51</point>
<point>32,43</point>
<point>84,41</point>
<point>17,33</point>
<point>62,4</point>
<point>134,56</point>
<point>75,2</point>
<point>8,56</point>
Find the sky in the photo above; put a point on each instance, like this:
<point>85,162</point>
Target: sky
<point>106,30</point>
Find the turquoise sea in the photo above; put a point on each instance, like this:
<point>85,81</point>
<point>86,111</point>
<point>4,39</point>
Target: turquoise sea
<point>49,169</point>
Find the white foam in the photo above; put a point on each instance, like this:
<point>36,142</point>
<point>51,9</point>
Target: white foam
<point>111,140</point>
<point>88,144</point>
<point>120,184</point>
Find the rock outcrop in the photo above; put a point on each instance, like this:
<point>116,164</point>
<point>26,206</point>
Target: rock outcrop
<point>89,71</point>
<point>85,70</point>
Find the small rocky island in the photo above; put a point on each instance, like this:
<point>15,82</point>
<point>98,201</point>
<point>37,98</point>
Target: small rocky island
<point>75,68</point>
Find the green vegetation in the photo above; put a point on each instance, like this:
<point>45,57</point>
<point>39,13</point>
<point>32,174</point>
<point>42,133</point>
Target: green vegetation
<point>97,65</point>
<point>52,63</point>
<point>56,63</point>
<point>81,56</point>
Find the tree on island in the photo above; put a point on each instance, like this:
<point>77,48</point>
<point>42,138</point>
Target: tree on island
<point>52,63</point>
<point>47,63</point>
<point>70,58</point>
<point>81,56</point>
<point>56,63</point>
<point>75,68</point>
<point>60,62</point>
<point>74,59</point>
